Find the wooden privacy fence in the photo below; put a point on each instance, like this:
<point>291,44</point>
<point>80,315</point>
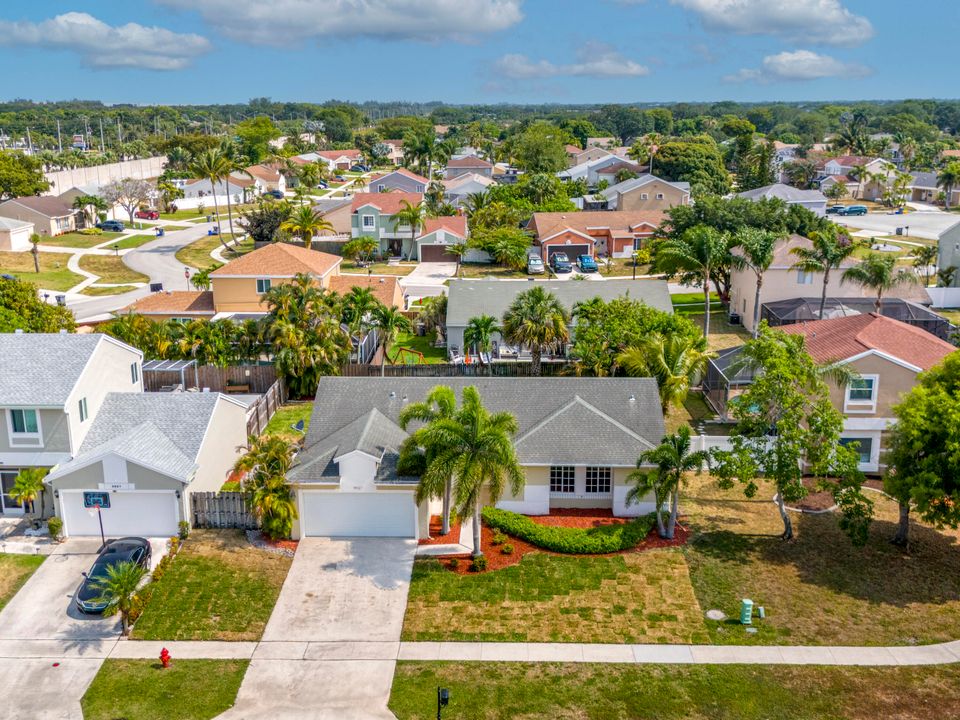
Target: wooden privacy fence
<point>221,510</point>
<point>258,378</point>
<point>497,369</point>
<point>259,414</point>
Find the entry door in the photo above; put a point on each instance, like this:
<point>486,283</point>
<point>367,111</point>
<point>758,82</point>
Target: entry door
<point>7,505</point>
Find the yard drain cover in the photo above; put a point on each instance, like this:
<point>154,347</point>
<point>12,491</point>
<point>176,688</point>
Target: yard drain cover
<point>716,615</point>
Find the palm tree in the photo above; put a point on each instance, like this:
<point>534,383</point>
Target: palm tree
<point>360,248</point>
<point>236,165</point>
<point>674,360</point>
<point>35,251</point>
<point>27,487</point>
<point>306,222</point>
<point>266,462</point>
<point>479,332</point>
<point>214,166</point>
<point>357,305</point>
<point>674,461</point>
<point>829,249</point>
<point>948,178</point>
<point>756,254</point>
<point>411,215</point>
<point>358,184</point>
<point>475,201</point>
<point>924,258</point>
<point>858,173</point>
<point>390,322</point>
<point>877,272</point>
<point>475,448</point>
<point>700,251</point>
<point>440,404</point>
<point>119,588</point>
<point>536,319</point>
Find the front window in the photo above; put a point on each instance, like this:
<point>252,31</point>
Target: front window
<point>644,196</point>
<point>864,448</point>
<point>134,373</point>
<point>82,405</point>
<point>562,479</point>
<point>659,196</point>
<point>369,222</point>
<point>263,285</point>
<point>24,427</point>
<point>804,278</point>
<point>599,479</point>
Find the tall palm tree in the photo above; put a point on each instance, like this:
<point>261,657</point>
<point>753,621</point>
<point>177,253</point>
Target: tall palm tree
<point>674,360</point>
<point>118,589</point>
<point>390,322</point>
<point>830,248</point>
<point>440,404</point>
<point>237,166</point>
<point>214,166</point>
<point>474,447</point>
<point>924,258</point>
<point>479,332</point>
<point>858,173</point>
<point>948,178</point>
<point>306,222</point>
<point>411,215</point>
<point>536,319</point>
<point>35,250</point>
<point>756,254</point>
<point>700,251</point>
<point>265,465</point>
<point>878,272</point>
<point>475,201</point>
<point>674,462</point>
<point>357,305</point>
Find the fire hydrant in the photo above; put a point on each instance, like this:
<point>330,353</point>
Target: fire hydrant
<point>165,657</point>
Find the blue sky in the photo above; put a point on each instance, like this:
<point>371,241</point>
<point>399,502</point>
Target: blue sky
<point>466,51</point>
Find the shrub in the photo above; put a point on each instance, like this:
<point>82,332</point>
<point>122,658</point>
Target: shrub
<point>174,545</point>
<point>454,563</point>
<point>183,529</point>
<point>91,231</point>
<point>231,486</point>
<point>140,601</point>
<point>507,549</point>
<point>642,255</point>
<point>575,541</point>
<point>55,525</point>
<point>498,538</point>
<point>479,563</point>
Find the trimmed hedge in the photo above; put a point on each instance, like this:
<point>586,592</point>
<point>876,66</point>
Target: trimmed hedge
<point>573,541</point>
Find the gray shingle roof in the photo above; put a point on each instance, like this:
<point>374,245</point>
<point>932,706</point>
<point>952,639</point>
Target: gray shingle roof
<point>634,183</point>
<point>787,193</point>
<point>925,180</point>
<point>41,369</point>
<point>604,421</point>
<point>470,298</point>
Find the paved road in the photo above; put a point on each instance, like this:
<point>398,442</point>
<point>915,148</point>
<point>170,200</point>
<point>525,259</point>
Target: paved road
<point>927,224</point>
<point>156,259</point>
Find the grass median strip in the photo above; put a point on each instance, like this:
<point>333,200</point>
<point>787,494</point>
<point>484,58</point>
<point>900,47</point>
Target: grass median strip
<point>111,269</point>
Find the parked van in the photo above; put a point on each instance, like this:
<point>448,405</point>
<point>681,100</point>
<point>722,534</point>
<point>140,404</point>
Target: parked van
<point>854,210</point>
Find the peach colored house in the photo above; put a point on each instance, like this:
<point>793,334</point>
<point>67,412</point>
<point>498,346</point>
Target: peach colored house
<point>613,233</point>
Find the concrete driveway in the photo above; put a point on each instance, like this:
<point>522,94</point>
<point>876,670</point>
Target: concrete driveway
<point>329,650</point>
<point>427,279</point>
<point>926,224</point>
<point>35,688</point>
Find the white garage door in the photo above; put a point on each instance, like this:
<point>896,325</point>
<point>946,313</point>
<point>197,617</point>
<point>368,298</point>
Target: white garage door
<point>139,512</point>
<point>339,514</point>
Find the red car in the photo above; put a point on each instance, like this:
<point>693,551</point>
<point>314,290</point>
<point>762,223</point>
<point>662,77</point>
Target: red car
<point>147,215</point>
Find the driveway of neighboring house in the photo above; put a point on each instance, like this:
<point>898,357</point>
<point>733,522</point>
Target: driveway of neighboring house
<point>927,224</point>
<point>330,647</point>
<point>36,688</point>
<point>427,279</point>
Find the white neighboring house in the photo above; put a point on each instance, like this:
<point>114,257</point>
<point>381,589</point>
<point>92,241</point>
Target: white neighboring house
<point>143,457</point>
<point>457,190</point>
<point>812,200</point>
<point>15,234</point>
<point>202,190</point>
<point>588,170</point>
<point>51,388</point>
<point>783,153</point>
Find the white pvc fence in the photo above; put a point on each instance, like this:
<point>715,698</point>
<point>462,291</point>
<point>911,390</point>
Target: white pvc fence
<point>944,297</point>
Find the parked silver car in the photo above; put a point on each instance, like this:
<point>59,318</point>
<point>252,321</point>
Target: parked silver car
<point>535,265</point>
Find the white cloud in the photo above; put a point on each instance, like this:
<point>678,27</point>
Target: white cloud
<point>104,46</point>
<point>593,60</point>
<point>823,22</point>
<point>798,65</point>
<point>282,22</point>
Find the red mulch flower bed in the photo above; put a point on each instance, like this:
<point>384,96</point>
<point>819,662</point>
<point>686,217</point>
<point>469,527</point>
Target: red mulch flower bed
<point>281,544</point>
<point>572,517</point>
<point>436,525</point>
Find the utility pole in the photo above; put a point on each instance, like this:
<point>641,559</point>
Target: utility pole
<point>119,133</point>
<point>102,145</point>
<point>29,141</point>
<point>59,138</point>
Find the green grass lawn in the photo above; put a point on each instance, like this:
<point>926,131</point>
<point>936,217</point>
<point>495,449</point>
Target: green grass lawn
<point>79,240</point>
<point>95,291</point>
<point>951,315</point>
<point>175,228</point>
<point>622,267</point>
<point>218,588</point>
<point>423,345</point>
<point>487,270</point>
<point>693,411</point>
<point>143,690</point>
<point>15,570</point>
<point>722,334</point>
<point>379,268</point>
<point>134,241</point>
<point>584,691</point>
<point>547,598</point>
<point>288,415</point>
<point>53,274</point>
<point>197,253</point>
<point>111,269</point>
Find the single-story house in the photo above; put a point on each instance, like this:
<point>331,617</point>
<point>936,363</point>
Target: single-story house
<point>144,456</point>
<point>15,234</point>
<point>576,156</point>
<point>239,188</point>
<point>647,192</point>
<point>578,439</point>
<point>181,305</point>
<point>467,165</point>
<point>615,233</point>
<point>337,159</point>
<point>813,200</point>
<point>50,215</point>
<point>269,177</point>
<point>590,169</point>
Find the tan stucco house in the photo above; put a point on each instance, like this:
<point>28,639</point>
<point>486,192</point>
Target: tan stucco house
<point>614,233</point>
<point>647,192</point>
<point>49,214</point>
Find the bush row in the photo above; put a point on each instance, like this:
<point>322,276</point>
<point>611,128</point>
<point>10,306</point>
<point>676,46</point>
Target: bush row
<point>574,541</point>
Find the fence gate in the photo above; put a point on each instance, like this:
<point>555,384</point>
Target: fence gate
<point>221,510</point>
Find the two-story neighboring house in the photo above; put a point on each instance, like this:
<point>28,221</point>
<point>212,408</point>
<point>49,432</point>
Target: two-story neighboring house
<point>839,169</point>
<point>400,179</point>
<point>647,192</point>
<point>578,439</point>
<point>394,152</point>
<point>373,215</point>
<point>51,387</point>
<point>467,165</point>
<point>886,355</point>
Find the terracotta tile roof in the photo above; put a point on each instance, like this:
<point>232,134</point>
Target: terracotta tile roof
<point>335,154</point>
<point>279,260</point>
<point>385,287</point>
<point>617,167</point>
<point>543,225</point>
<point>847,337</point>
<point>191,302</point>
<point>388,203</point>
<point>264,172</point>
<point>456,224</point>
<point>950,153</point>
<point>851,160</point>
<point>471,161</point>
<point>573,150</point>
<point>48,205</point>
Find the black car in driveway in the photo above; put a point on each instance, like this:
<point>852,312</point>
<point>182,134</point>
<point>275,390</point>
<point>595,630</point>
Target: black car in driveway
<point>128,549</point>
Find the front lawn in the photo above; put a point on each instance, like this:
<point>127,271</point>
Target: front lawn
<point>631,598</point>
<point>111,269</point>
<point>53,274</point>
<point>197,253</point>
<point>378,268</point>
<point>218,588</point>
<point>488,270</point>
<point>287,415</point>
<point>586,691</point>
<point>143,690</point>
<point>423,344</point>
<point>79,240</point>
<point>133,241</point>
<point>622,267</point>
<point>15,570</point>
